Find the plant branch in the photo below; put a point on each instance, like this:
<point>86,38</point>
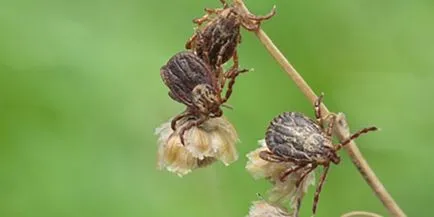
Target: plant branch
<point>360,213</point>
<point>352,150</point>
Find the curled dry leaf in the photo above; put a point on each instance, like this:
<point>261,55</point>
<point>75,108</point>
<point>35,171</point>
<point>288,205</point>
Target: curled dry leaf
<point>213,140</point>
<point>281,191</point>
<point>263,209</point>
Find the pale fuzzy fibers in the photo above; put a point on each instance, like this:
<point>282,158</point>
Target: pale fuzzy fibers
<point>213,140</point>
<point>281,192</point>
<point>264,209</point>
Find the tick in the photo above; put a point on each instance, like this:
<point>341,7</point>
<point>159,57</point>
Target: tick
<point>192,83</point>
<point>294,137</point>
<point>217,40</point>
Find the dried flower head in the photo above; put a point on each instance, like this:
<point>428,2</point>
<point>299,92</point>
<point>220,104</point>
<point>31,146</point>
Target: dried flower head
<point>263,209</point>
<point>204,144</point>
<point>282,191</point>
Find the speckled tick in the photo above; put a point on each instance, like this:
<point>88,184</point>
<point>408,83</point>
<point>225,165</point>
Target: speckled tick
<point>191,82</point>
<point>216,41</point>
<point>294,137</point>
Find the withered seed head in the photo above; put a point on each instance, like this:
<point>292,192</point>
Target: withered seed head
<point>213,140</point>
<point>264,209</point>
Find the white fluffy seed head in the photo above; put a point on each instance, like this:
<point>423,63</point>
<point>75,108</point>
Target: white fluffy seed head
<point>213,140</point>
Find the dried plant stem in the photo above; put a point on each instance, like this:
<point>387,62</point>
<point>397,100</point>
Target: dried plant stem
<point>360,213</point>
<point>352,150</point>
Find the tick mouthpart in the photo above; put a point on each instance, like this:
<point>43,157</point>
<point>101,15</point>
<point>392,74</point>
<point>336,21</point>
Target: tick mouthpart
<point>335,158</point>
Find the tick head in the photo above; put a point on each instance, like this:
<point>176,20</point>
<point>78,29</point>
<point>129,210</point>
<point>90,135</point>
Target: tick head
<point>206,100</point>
<point>333,156</point>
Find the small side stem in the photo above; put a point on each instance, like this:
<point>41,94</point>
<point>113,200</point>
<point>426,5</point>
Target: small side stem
<point>352,150</point>
<point>360,213</point>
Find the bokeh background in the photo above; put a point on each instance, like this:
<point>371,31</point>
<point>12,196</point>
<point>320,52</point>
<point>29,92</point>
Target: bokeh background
<point>81,95</point>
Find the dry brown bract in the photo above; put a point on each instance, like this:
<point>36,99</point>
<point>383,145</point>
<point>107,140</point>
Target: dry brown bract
<point>282,191</point>
<point>213,140</point>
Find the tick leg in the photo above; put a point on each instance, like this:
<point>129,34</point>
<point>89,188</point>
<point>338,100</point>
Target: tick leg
<point>222,50</point>
<point>177,118</point>
<point>255,21</point>
<point>204,18</point>
<point>331,125</point>
<point>190,125</point>
<point>291,170</point>
<point>225,5</point>
<point>219,63</point>
<point>300,180</point>
<point>297,206</point>
<point>208,12</point>
<point>231,71</point>
<point>355,135</point>
<point>188,44</point>
<point>261,18</point>
<point>250,26</point>
<point>235,65</point>
<point>231,84</point>
<point>319,188</point>
<point>269,156</point>
<point>317,108</point>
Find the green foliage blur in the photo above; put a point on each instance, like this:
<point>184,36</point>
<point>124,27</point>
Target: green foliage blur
<point>81,96</point>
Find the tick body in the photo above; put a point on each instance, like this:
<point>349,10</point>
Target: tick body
<point>294,137</point>
<point>217,39</point>
<point>192,83</point>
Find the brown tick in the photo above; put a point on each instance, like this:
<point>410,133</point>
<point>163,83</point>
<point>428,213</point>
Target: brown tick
<point>216,42</point>
<point>192,83</point>
<point>294,137</point>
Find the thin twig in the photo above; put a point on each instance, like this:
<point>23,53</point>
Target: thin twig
<point>352,150</point>
<point>360,213</point>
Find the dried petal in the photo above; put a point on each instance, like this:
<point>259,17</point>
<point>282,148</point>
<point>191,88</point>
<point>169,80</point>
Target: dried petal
<point>171,153</point>
<point>213,140</point>
<point>264,209</point>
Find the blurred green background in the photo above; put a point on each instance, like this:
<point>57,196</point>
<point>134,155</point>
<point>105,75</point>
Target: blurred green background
<point>81,95</point>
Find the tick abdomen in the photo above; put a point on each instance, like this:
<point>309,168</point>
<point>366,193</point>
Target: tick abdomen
<point>295,136</point>
<point>183,72</point>
<point>220,35</point>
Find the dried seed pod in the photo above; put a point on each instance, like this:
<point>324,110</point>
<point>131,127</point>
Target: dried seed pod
<point>192,83</point>
<point>213,140</point>
<point>294,137</point>
<point>216,42</point>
